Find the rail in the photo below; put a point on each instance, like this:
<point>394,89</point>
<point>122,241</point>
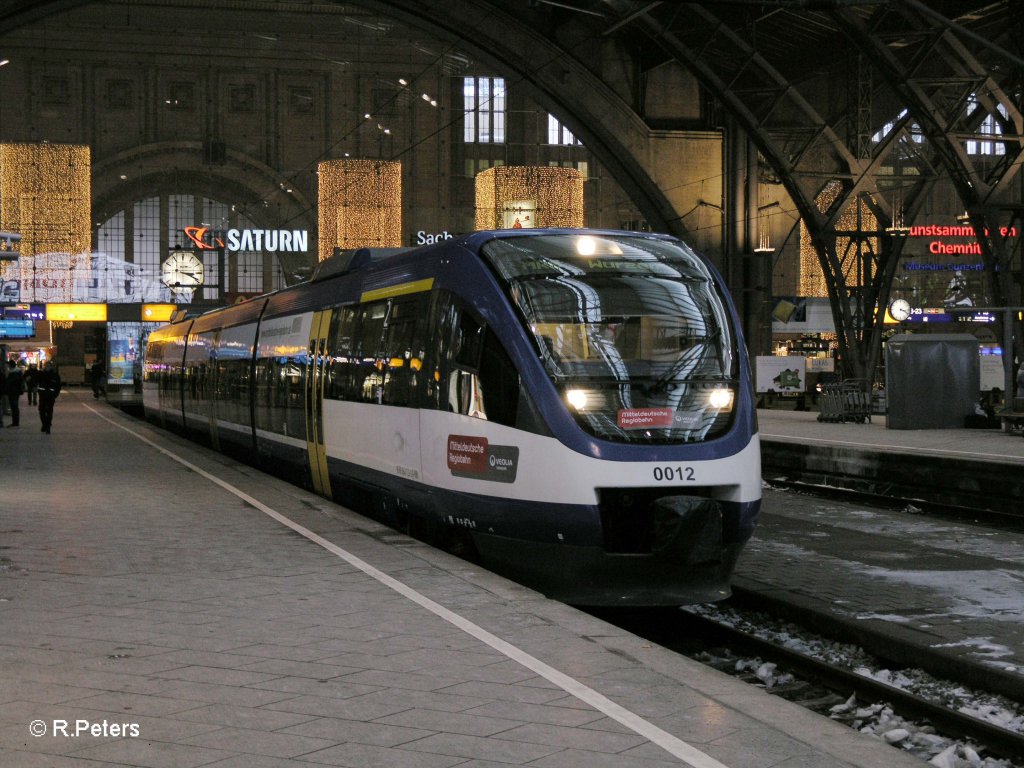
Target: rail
<point>1003,741</point>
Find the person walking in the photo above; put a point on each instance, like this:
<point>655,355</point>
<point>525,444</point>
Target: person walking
<point>49,389</point>
<point>15,388</point>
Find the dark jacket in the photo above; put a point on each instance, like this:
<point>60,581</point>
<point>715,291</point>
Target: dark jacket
<point>49,383</point>
<point>14,385</point>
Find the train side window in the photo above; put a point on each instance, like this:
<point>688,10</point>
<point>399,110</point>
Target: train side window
<point>200,361</point>
<point>499,380</point>
<point>377,351</point>
<point>472,374</point>
<point>443,318</point>
<point>279,394</point>
<point>400,357</point>
<point>366,380</point>
<point>343,366</point>
<point>469,337</point>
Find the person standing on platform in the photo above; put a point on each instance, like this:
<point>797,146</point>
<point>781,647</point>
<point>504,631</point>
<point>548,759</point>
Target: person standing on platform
<point>98,376</point>
<point>15,388</point>
<point>31,383</point>
<point>49,389</point>
<point>3,392</point>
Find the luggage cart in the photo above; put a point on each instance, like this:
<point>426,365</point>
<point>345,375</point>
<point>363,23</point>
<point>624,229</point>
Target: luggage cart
<point>830,402</point>
<point>847,400</point>
<point>1013,418</point>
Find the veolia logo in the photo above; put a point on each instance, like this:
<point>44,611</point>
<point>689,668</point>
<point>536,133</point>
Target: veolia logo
<point>207,239</point>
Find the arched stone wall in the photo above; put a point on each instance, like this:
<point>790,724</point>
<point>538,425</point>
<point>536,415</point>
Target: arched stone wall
<point>264,195</point>
<point>642,163</point>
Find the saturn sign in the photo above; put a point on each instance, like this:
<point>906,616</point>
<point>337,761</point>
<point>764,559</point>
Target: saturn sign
<point>290,240</point>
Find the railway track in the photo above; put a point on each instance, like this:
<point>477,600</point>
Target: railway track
<point>894,497</point>
<point>832,688</point>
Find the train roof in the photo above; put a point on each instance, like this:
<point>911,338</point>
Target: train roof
<point>351,260</point>
<point>355,260</point>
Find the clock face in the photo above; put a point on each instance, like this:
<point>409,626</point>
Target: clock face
<point>182,271</point>
<point>900,310</point>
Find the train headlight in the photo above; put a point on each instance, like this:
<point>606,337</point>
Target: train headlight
<point>586,245</point>
<point>720,399</point>
<point>577,398</point>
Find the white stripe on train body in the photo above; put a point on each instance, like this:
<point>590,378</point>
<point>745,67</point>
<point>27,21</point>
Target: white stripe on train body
<point>410,444</point>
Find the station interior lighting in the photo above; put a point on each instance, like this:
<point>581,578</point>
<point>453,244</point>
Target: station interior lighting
<point>555,194</point>
<point>360,205</point>
<point>76,312</point>
<point>47,196</point>
<point>158,313</point>
<point>812,279</point>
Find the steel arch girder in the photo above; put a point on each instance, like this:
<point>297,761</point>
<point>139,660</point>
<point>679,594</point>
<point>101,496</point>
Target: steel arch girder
<point>973,187</point>
<point>978,194</point>
<point>820,226</point>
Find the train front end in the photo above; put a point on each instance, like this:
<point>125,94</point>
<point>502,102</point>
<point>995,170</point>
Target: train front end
<point>651,476</point>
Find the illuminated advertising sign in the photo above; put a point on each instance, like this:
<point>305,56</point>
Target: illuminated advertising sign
<point>942,273</point>
<point>941,247</point>
<point>429,238</point>
<point>158,313</point>
<point>285,240</point>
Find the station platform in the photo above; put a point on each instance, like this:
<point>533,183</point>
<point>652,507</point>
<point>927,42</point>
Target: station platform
<point>965,469</point>
<point>943,592</point>
<point>803,427</point>
<point>163,605</point>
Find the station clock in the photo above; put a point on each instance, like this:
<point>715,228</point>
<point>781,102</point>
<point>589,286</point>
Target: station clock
<point>182,271</point>
<point>900,310</point>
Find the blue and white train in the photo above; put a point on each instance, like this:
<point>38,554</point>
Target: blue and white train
<point>576,404</point>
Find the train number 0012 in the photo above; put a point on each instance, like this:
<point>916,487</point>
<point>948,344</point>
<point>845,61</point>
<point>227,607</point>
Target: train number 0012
<point>668,474</point>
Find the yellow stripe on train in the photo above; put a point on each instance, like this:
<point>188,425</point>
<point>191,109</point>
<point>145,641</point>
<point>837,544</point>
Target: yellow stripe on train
<point>401,289</point>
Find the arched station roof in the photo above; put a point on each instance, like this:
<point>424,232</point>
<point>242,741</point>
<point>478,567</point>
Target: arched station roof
<point>828,91</point>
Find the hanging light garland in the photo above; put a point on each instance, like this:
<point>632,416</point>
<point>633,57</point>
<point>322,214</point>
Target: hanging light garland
<point>812,279</point>
<point>359,205</point>
<point>512,196</point>
<point>46,196</point>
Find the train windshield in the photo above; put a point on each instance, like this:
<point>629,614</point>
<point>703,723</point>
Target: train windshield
<point>632,331</point>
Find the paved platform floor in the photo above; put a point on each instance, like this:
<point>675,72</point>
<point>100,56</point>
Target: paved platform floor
<point>162,605</point>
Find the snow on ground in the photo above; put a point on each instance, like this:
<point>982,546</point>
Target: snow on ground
<point>993,595</point>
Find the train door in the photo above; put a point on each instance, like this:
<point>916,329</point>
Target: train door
<point>317,367</point>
